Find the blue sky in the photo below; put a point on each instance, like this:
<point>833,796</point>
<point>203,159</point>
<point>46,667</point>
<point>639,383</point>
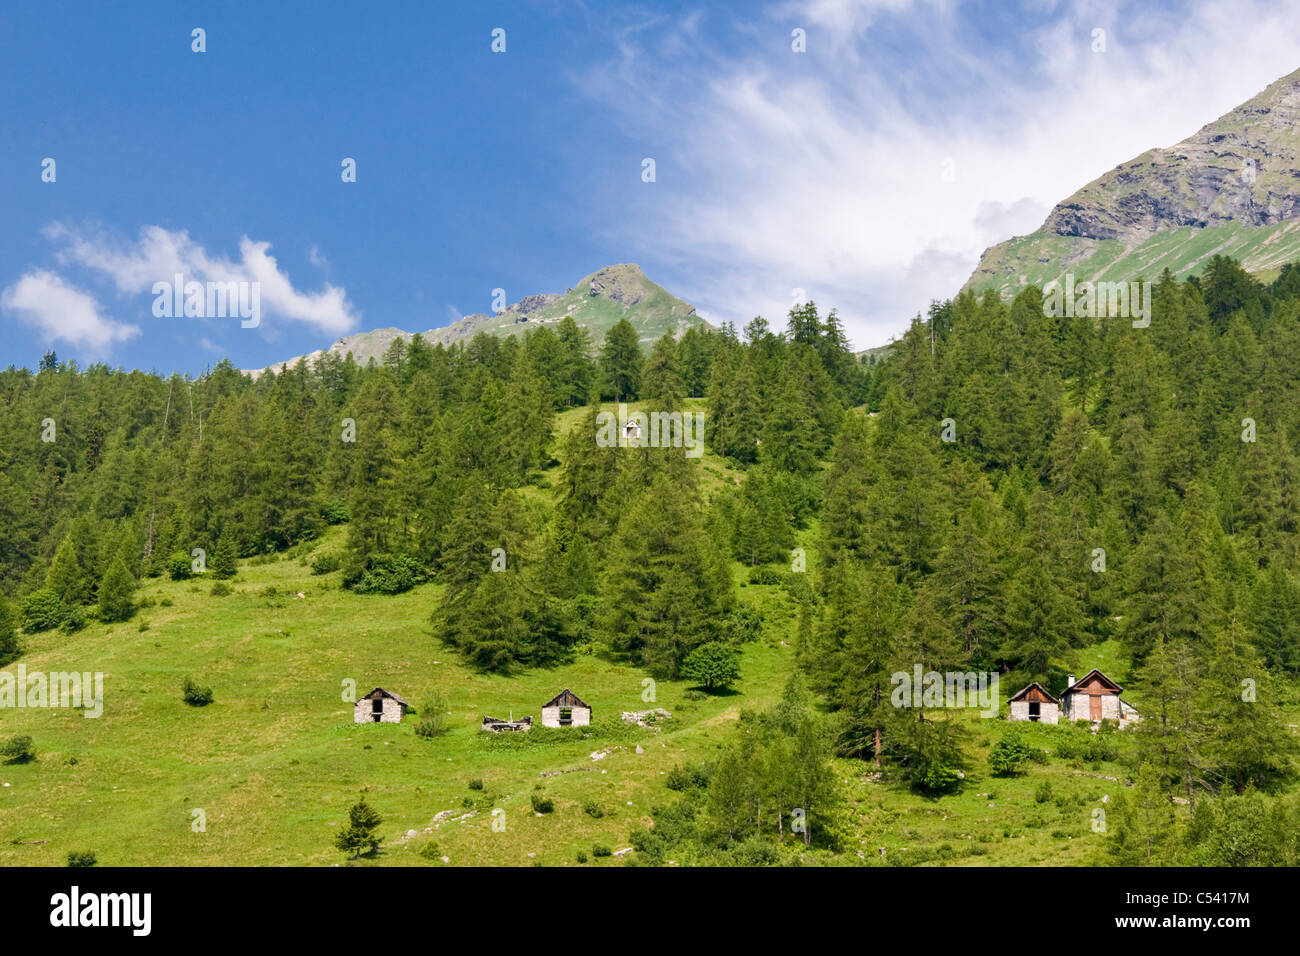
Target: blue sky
<point>867,172</point>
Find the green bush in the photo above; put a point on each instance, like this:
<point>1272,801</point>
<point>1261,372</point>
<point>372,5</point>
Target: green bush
<point>763,575</point>
<point>221,589</point>
<point>940,778</point>
<point>1043,793</point>
<point>476,784</point>
<point>582,857</point>
<point>325,563</point>
<point>385,574</point>
<point>430,851</point>
<point>178,566</point>
<point>74,619</point>
<point>433,715</point>
<point>593,809</point>
<point>599,851</point>
<point>712,665</point>
<point>684,777</point>
<point>334,512</point>
<point>194,694</point>
<point>80,858</point>
<point>1008,756</point>
<point>41,610</point>
<point>542,804</point>
<point>18,749</point>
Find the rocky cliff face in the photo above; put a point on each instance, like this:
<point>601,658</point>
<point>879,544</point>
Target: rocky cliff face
<point>1238,178</point>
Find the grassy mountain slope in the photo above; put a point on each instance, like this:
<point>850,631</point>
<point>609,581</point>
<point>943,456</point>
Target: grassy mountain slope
<point>1233,188</point>
<point>275,760</point>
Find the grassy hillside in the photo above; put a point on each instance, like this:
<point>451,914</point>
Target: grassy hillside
<point>1042,256</point>
<point>275,760</point>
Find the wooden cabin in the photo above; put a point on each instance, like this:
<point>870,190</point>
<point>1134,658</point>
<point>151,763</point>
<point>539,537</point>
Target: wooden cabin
<point>379,706</point>
<point>1035,703</point>
<point>565,709</point>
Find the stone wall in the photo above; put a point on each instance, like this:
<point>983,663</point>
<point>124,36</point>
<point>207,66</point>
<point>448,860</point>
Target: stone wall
<point>1048,713</point>
<point>363,712</point>
<point>551,716</point>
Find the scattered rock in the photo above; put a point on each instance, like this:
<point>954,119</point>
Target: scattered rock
<point>640,749</point>
<point>645,718</point>
<point>623,852</point>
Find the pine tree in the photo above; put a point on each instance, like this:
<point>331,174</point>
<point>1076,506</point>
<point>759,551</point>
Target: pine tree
<point>116,592</point>
<point>223,564</point>
<point>358,835</point>
<point>621,360</point>
<point>65,577</point>
<point>10,647</point>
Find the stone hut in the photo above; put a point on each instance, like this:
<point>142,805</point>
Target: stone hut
<point>1035,703</point>
<point>379,706</point>
<point>565,709</point>
<point>1096,697</point>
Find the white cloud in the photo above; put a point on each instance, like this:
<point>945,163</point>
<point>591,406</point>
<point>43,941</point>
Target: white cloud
<point>827,172</point>
<point>160,254</point>
<point>61,312</point>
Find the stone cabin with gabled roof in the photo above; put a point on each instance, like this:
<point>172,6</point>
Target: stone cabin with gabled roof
<point>565,709</point>
<point>379,706</point>
<point>1035,703</point>
<point>1094,698</point>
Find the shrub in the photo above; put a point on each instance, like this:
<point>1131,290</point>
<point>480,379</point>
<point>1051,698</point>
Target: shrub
<point>18,749</point>
<point>430,851</point>
<point>334,512</point>
<point>762,575</point>
<point>41,610</point>
<point>940,778</point>
<point>690,775</point>
<point>178,566</point>
<point>593,809</point>
<point>385,574</point>
<point>81,858</point>
<point>325,563</point>
<point>74,619</point>
<point>582,857</point>
<point>744,624</point>
<point>194,694</point>
<point>1008,755</point>
<point>476,784</point>
<point>542,804</point>
<point>599,850</point>
<point>712,665</point>
<point>220,589</point>
<point>1043,793</point>
<point>433,715</point>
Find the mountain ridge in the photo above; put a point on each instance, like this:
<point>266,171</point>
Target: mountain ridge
<point>1231,188</point>
<point>596,302</point>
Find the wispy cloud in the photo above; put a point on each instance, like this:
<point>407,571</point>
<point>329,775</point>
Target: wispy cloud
<point>158,254</point>
<point>62,312</point>
<point>873,170</point>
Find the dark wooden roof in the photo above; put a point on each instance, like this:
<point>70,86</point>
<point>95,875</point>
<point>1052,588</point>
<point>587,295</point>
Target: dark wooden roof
<point>565,698</point>
<point>1025,691</point>
<point>384,693</point>
<point>1110,684</point>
